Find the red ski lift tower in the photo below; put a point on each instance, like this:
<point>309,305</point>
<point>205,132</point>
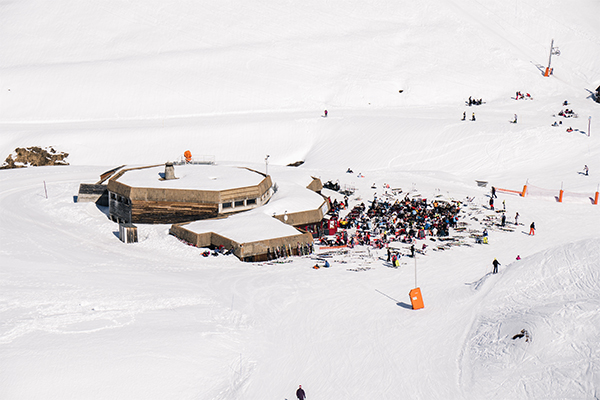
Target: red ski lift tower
<point>553,51</point>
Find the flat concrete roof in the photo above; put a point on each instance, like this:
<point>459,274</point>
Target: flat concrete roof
<point>246,227</point>
<point>192,177</point>
<point>292,197</point>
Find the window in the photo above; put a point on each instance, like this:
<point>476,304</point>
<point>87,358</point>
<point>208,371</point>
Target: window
<point>227,205</point>
<point>113,196</point>
<point>239,203</point>
<point>251,201</point>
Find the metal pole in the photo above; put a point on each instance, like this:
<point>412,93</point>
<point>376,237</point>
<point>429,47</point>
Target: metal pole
<point>416,270</point>
<point>267,165</point>
<point>45,190</point>
<point>589,124</point>
<point>550,57</point>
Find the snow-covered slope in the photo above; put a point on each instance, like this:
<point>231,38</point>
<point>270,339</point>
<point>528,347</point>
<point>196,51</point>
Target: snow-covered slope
<point>125,82</point>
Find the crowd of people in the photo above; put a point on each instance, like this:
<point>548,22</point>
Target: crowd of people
<point>387,220</point>
<point>521,96</point>
<point>474,102</point>
<point>566,113</point>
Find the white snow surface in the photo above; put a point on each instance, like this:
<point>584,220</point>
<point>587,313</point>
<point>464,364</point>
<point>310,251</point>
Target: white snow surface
<point>192,177</point>
<point>250,226</point>
<point>84,316</point>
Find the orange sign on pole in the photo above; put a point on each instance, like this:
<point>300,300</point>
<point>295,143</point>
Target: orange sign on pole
<point>416,299</point>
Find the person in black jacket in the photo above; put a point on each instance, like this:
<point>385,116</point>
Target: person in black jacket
<point>300,393</point>
<point>495,263</point>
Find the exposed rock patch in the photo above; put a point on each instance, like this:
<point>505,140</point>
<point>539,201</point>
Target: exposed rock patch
<point>34,156</point>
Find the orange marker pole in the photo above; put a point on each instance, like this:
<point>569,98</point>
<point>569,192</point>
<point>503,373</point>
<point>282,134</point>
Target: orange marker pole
<point>560,196</point>
<point>596,199</point>
<point>524,191</point>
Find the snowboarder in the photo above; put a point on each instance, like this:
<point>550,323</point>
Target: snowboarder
<point>495,263</point>
<point>585,170</point>
<point>517,218</point>
<point>464,116</point>
<point>532,229</point>
<point>325,113</point>
<point>300,393</point>
<point>473,117</point>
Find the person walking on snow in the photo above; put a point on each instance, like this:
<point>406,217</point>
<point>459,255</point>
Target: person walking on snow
<point>495,263</point>
<point>300,393</point>
<point>532,229</point>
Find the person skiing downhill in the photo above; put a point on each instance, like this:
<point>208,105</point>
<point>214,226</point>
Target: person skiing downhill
<point>300,393</point>
<point>532,229</point>
<point>325,113</point>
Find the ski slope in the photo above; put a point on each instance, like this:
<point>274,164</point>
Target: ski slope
<point>84,316</point>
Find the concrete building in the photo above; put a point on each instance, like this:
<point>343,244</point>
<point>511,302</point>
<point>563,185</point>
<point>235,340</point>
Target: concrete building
<point>163,194</point>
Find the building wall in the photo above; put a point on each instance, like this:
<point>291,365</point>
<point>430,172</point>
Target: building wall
<point>307,217</point>
<point>157,205</point>
<point>255,251</point>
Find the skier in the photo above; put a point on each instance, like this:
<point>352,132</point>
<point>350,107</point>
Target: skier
<point>495,263</point>
<point>389,254</point>
<point>300,393</point>
<point>412,251</point>
<point>586,170</point>
<point>494,192</point>
<point>503,223</point>
<point>492,203</point>
<point>515,121</point>
<point>532,229</point>
<point>464,116</point>
<point>473,117</point>
<point>325,113</point>
<point>517,218</point>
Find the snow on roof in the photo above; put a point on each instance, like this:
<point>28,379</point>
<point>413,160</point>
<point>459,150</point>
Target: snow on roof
<point>192,177</point>
<point>292,197</point>
<point>250,226</point>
